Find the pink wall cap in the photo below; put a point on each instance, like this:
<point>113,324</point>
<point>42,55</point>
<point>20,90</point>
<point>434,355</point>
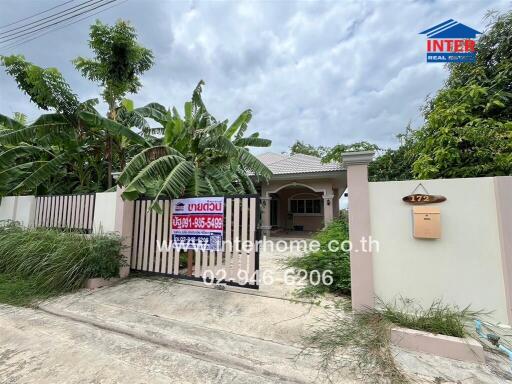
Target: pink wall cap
<point>356,158</point>
<point>465,349</point>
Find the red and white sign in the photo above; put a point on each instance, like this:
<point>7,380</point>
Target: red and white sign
<point>198,223</point>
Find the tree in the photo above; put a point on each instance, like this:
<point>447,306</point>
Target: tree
<point>117,64</point>
<point>394,164</point>
<point>199,156</point>
<point>300,147</point>
<point>468,123</point>
<point>329,154</point>
<point>468,127</point>
<point>334,153</point>
<point>62,151</point>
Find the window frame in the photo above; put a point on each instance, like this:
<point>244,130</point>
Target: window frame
<point>305,204</point>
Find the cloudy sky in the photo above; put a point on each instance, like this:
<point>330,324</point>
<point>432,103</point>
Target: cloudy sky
<point>318,71</point>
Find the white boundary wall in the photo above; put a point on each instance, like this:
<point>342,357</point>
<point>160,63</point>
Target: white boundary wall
<point>18,208</point>
<point>464,267</point>
<point>105,212</point>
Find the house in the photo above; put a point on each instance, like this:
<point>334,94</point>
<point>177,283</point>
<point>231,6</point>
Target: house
<point>303,193</point>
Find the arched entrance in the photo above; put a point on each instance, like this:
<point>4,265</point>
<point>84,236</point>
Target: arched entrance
<point>297,208</point>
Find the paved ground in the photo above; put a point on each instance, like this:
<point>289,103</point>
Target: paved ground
<point>200,335</point>
<point>160,331</point>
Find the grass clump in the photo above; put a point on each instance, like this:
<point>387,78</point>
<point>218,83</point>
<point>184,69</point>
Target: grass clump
<point>361,341</point>
<point>438,318</point>
<point>334,259</point>
<point>20,291</point>
<point>37,262</point>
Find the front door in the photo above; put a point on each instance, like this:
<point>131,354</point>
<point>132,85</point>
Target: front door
<point>273,212</point>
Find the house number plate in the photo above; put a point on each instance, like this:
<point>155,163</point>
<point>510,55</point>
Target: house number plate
<point>419,199</point>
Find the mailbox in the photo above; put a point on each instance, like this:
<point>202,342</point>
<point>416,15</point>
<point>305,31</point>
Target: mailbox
<point>426,222</point>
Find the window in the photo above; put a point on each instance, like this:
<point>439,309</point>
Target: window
<point>311,206</point>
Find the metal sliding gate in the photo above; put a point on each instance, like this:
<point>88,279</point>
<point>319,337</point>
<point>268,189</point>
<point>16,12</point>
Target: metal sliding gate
<point>236,264</point>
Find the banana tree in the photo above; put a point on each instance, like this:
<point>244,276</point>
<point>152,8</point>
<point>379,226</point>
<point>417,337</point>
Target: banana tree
<point>199,156</point>
<point>54,154</point>
<point>62,151</point>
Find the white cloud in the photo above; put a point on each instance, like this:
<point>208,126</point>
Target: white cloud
<point>322,72</point>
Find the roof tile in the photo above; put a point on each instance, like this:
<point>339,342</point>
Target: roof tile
<point>292,164</point>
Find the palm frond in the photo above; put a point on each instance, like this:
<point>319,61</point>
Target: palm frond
<point>157,131</point>
<point>249,161</point>
<point>155,170</point>
<point>153,111</point>
<point>48,124</point>
<point>17,136</point>
<point>112,127</point>
<point>252,142</point>
<point>142,160</point>
<point>246,182</point>
<point>220,143</point>
<point>7,157</point>
<point>41,174</point>
<point>175,184</point>
<point>10,124</point>
<point>244,119</point>
<point>198,185</point>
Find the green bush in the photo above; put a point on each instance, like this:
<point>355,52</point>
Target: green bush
<point>338,262</point>
<point>57,261</point>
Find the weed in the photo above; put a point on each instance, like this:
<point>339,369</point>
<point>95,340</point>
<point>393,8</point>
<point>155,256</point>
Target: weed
<point>359,342</point>
<point>438,318</point>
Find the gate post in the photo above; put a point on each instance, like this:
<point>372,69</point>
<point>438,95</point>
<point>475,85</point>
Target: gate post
<point>265,217</point>
<point>124,227</point>
<point>361,262</point>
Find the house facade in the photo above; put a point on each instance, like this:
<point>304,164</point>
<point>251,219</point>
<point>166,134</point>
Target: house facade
<point>302,195</point>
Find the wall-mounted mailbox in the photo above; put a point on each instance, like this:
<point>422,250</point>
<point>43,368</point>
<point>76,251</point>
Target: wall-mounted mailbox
<point>426,222</point>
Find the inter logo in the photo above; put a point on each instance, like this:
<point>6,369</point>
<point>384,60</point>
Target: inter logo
<point>179,207</point>
<point>451,42</point>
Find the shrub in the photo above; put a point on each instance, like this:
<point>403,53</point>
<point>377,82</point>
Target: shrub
<point>57,261</point>
<point>337,262</point>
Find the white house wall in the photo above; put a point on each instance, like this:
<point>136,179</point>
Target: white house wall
<point>464,267</point>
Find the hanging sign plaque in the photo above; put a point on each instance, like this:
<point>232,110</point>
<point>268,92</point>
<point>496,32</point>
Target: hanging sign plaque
<point>420,199</point>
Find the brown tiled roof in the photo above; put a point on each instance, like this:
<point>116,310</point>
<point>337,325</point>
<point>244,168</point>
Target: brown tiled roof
<point>281,164</point>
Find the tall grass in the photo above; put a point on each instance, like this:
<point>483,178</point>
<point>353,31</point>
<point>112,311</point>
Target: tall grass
<point>439,318</point>
<point>357,341</point>
<point>52,261</point>
<point>360,341</point>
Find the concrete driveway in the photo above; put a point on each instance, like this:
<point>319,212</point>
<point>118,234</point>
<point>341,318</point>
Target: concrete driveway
<point>157,331</point>
<point>164,331</point>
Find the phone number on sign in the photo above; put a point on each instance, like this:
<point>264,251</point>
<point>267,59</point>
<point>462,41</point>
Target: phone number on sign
<point>291,277</point>
<point>198,222</point>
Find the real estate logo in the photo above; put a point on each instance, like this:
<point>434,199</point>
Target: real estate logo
<point>179,207</point>
<point>451,42</point>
